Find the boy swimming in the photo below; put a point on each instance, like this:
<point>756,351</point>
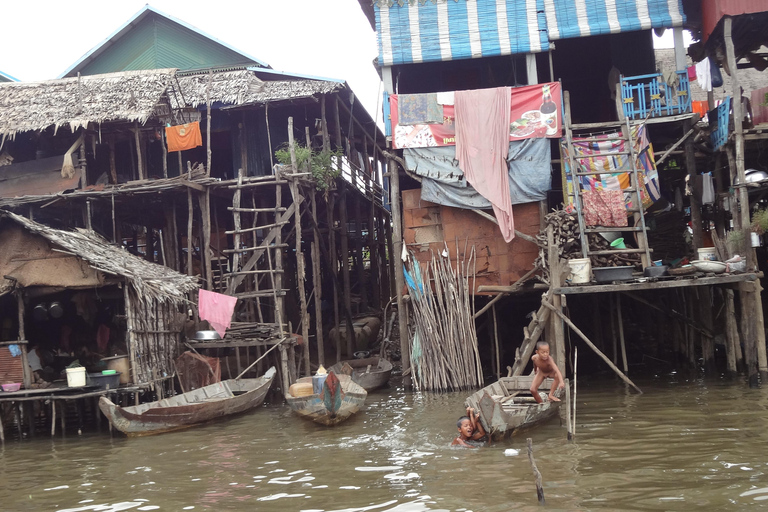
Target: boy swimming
<point>470,430</point>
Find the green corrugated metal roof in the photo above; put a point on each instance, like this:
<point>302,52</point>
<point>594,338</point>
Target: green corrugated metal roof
<point>153,40</point>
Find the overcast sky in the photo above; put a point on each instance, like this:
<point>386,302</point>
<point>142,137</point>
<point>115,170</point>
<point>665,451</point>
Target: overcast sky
<point>328,38</point>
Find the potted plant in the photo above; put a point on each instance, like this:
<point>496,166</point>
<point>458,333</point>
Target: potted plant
<point>759,225</point>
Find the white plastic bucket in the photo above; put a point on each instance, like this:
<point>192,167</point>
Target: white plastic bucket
<point>707,253</point>
<point>581,270</point>
<point>76,377</point>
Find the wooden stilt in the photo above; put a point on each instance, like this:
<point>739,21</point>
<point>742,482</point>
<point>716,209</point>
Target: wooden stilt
<point>397,240</point>
<point>496,343</point>
<point>53,418</point>
<point>762,357</point>
<point>362,287</point>
<point>317,285</point>
<point>614,334</point>
<point>731,332</point>
<point>350,331</point>
<point>139,158</point>
<point>748,307</point>
<point>557,336</point>
<point>620,322</point>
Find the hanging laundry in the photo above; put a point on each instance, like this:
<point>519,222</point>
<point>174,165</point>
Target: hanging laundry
<point>703,75</point>
<point>419,109</point>
<point>691,73</point>
<point>183,136</point>
<point>707,189</point>
<point>217,309</point>
<point>604,208</point>
<point>482,146</point>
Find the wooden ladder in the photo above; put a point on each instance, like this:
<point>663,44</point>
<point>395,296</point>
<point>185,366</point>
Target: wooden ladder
<point>577,169</point>
<point>257,250</point>
<point>532,333</point>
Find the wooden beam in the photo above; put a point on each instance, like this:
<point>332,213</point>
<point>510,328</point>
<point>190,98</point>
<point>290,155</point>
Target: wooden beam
<point>592,346</point>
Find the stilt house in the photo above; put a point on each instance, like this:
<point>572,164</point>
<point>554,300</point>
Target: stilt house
<point>615,182</point>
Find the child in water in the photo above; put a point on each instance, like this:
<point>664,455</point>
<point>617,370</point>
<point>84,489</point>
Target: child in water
<point>544,367</point>
<point>470,430</point>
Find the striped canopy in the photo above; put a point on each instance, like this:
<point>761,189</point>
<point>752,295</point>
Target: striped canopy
<point>413,31</point>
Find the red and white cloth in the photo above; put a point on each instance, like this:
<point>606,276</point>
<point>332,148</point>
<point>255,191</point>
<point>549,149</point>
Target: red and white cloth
<point>217,309</point>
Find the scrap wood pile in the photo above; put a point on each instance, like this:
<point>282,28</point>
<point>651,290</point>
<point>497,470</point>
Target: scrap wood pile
<point>249,331</point>
<point>444,353</point>
<point>566,235</point>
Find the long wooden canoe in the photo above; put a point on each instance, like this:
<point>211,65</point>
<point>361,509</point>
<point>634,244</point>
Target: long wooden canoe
<point>218,400</point>
<point>339,399</point>
<point>370,373</point>
<point>507,406</point>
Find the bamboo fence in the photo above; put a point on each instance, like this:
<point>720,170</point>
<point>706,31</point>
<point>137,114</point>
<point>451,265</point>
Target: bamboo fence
<point>444,354</point>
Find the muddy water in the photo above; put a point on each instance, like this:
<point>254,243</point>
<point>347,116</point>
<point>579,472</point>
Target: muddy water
<point>683,445</point>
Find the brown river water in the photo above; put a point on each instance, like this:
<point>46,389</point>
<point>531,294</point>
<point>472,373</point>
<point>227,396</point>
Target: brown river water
<point>683,445</point>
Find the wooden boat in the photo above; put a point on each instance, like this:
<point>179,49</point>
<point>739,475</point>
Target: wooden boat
<point>507,405</point>
<point>339,399</point>
<point>214,401</point>
<point>370,373</point>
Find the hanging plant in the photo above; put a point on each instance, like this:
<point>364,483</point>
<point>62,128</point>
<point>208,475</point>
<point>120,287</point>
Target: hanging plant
<point>760,221</point>
<point>319,163</point>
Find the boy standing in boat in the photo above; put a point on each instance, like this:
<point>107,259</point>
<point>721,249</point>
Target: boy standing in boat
<point>544,367</point>
<point>470,430</point>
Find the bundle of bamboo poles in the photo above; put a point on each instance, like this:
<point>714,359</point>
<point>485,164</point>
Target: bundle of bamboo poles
<point>444,353</point>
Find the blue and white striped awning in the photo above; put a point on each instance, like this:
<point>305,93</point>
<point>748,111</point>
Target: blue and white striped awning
<point>582,18</point>
<point>413,31</point>
<point>435,30</point>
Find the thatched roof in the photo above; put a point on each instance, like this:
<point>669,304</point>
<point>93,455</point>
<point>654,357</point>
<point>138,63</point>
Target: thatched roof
<point>149,279</point>
<point>127,96</point>
<point>243,87</point>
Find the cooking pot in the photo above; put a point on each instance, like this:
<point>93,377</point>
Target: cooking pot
<point>207,335</point>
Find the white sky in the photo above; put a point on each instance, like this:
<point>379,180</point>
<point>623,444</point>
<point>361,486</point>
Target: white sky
<point>328,38</point>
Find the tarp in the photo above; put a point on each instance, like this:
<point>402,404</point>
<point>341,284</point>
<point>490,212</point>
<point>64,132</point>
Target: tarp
<point>443,182</point>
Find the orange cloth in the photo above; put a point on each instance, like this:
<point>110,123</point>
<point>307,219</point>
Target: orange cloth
<point>184,136</point>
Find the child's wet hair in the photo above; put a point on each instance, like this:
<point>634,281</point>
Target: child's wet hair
<point>458,423</point>
<point>540,344</point>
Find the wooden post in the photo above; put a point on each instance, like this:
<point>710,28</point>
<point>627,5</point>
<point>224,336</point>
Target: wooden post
<point>620,322</point>
<point>277,283</point>
<point>317,284</point>
<point>731,331</point>
<point>300,272</point>
<point>139,161</point>
<point>536,473</point>
<point>397,241</point>
<point>236,202</point>
<point>738,130</point>
<point>350,332</point>
<point>614,334</point>
<point>204,200</point>
<point>705,314</point>
<point>496,342</point>
<point>362,288</point>
<point>748,333</point>
<point>190,217</point>
<point>27,377</point>
<point>165,161</point>
<point>555,269</point>
<point>131,334</point>
<point>690,166</point>
<point>762,357</point>
<point>112,165</point>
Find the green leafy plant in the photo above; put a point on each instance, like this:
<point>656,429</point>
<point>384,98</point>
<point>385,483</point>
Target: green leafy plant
<point>735,240</point>
<point>760,221</point>
<point>319,163</point>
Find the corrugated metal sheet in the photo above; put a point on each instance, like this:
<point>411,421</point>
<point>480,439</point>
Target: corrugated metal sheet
<point>36,177</point>
<point>713,10</point>
<point>441,30</point>
<point>155,43</point>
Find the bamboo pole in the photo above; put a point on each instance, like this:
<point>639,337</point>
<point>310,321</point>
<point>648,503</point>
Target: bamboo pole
<point>138,151</point>
<point>591,345</point>
<point>573,417</point>
<point>208,123</point>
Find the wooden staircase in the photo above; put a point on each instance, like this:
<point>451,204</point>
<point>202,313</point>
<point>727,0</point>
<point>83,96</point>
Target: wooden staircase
<point>532,333</point>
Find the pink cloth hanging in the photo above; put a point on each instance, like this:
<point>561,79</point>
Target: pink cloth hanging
<point>217,309</point>
<point>482,145</point>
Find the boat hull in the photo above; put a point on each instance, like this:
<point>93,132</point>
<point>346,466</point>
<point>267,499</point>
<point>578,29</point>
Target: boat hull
<point>370,373</point>
<point>211,402</point>
<point>505,409</point>
<point>341,398</point>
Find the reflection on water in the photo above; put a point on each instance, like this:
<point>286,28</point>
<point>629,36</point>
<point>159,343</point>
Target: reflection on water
<point>683,445</point>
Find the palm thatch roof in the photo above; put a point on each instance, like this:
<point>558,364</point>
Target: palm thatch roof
<point>243,87</point>
<point>126,96</point>
<point>150,280</point>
